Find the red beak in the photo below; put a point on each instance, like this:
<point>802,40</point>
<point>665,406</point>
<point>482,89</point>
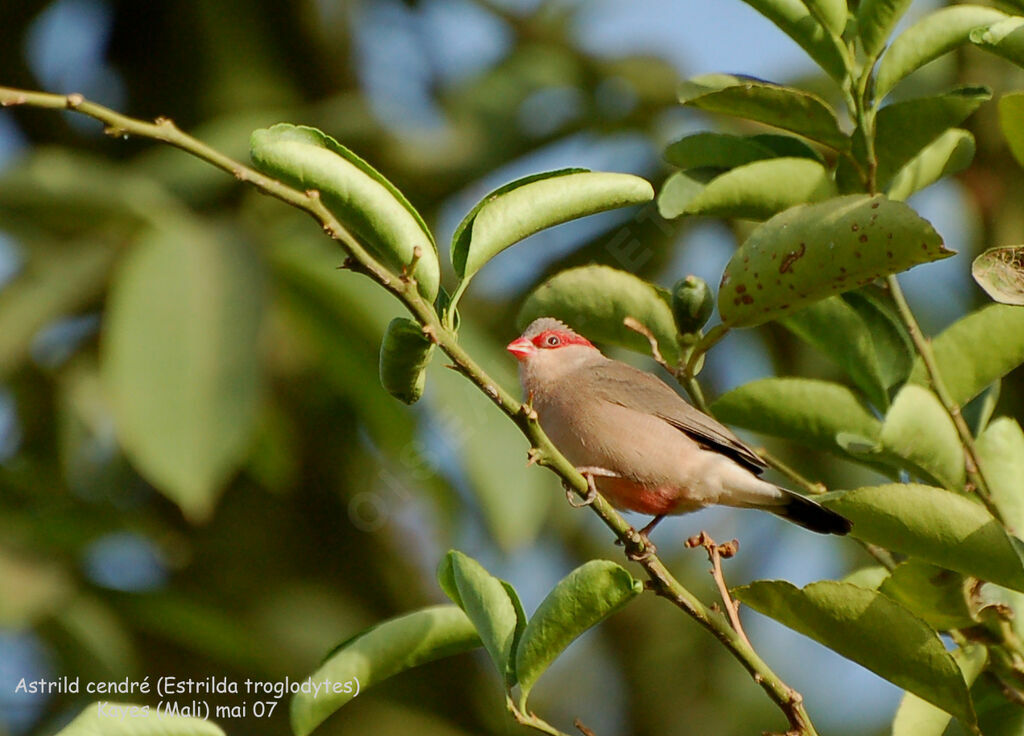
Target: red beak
<point>521,347</point>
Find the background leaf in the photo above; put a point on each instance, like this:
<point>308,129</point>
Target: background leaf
<point>872,630</point>
<point>594,300</point>
<point>52,285</point>
<point>1011,113</point>
<point>1004,38</point>
<point>181,361</point>
<point>806,410</point>
<point>936,595</point>
<point>840,333</point>
<point>1000,272</point>
<point>976,350</point>
<point>937,526</point>
<point>360,196</point>
<point>935,34</point>
<point>905,128</point>
<point>491,604</point>
<point>948,154</point>
<point>582,599</point>
<point>917,717</point>
<point>760,189</point>
<point>875,21</point>
<point>1001,451</point>
<point>380,652</point>
<point>526,207</point>
<point>793,19</point>
<point>128,719</point>
<point>918,431</point>
<point>783,107</point>
<point>812,251</point>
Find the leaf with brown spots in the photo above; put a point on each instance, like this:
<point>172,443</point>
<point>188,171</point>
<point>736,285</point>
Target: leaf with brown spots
<point>810,252</point>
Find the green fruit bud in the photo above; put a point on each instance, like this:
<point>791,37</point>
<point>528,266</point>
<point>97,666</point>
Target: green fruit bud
<point>404,355</point>
<point>692,304</point>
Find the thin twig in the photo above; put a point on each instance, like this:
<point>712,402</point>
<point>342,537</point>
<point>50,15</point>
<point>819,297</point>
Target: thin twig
<point>716,553</point>
<point>662,582</point>
<point>638,326</point>
<point>924,349</point>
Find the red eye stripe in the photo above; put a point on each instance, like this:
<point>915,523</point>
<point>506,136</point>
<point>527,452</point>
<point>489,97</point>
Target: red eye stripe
<point>564,338</point>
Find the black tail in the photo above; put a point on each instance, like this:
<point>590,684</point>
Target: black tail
<point>812,515</point>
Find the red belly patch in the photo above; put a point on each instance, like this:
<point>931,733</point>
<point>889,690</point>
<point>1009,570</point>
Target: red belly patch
<point>653,500</point>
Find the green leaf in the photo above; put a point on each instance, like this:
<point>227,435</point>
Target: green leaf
<point>872,630</point>
<point>937,526</point>
<point>128,719</point>
<point>1004,38</point>
<point>951,152</point>
<point>870,577</point>
<point>582,599</point>
<point>976,350</point>
<point>1001,452</point>
<point>805,410</point>
<point>760,189</point>
<point>595,300</point>
<point>716,151</point>
<point>831,13</point>
<point>935,34</point>
<point>793,19</point>
<point>840,333</point>
<point>1011,113</point>
<point>405,353</point>
<point>181,360</point>
<point>491,604</point>
<point>380,652</point>
<point>526,206</point>
<point>812,251</point>
<point>917,717</point>
<point>904,128</point>
<point>893,346</point>
<point>938,596</point>
<point>53,284</point>
<point>1000,272</point>
<point>786,145</point>
<point>919,433</point>
<point>875,21</point>
<point>355,192</point>
<point>783,107</point>
<point>680,189</point>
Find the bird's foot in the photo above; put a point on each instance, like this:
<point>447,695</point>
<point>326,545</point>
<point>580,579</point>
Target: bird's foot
<point>640,547</point>
<point>641,539</point>
<point>587,472</point>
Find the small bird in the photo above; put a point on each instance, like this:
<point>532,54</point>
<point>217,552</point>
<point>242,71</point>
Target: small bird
<point>638,442</point>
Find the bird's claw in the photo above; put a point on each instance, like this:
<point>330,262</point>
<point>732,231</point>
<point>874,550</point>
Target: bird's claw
<point>570,493</point>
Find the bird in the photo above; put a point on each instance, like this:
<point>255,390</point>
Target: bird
<point>638,442</point>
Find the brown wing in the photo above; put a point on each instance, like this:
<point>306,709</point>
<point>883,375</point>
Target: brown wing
<point>632,388</point>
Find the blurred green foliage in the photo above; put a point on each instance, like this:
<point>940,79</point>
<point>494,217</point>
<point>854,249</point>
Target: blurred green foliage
<point>324,505</point>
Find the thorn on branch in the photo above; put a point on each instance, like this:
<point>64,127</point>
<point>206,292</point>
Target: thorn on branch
<point>527,410</point>
<point>407,270</point>
<point>533,456</point>
<point>582,729</point>
<point>431,334</point>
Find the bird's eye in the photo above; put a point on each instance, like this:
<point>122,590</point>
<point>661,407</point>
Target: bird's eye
<point>552,340</point>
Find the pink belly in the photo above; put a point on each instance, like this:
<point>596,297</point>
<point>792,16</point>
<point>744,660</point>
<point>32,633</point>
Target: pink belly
<point>653,500</point>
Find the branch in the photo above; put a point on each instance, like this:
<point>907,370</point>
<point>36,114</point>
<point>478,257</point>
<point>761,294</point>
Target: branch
<point>542,450</point>
<point>924,349</point>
